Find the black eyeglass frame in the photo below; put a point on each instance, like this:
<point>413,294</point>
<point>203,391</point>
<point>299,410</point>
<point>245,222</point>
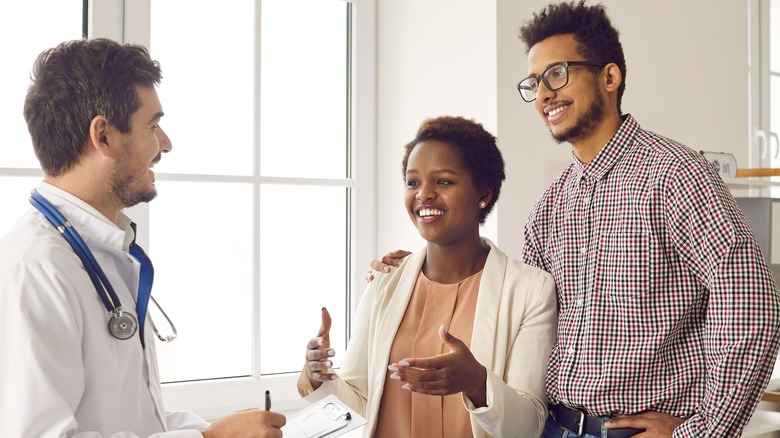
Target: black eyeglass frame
<point>541,77</point>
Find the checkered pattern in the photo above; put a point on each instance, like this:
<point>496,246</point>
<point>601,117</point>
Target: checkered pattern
<point>665,300</point>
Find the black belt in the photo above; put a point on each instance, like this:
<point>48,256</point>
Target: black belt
<point>578,423</point>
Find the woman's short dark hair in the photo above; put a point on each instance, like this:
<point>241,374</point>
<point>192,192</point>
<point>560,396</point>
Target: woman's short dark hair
<point>76,81</point>
<point>476,148</point>
<point>597,39</point>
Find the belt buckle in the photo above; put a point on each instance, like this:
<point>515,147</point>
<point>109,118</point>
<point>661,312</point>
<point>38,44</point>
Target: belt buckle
<point>580,421</point>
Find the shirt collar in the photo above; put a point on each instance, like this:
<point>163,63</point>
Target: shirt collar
<point>611,153</point>
<point>87,220</point>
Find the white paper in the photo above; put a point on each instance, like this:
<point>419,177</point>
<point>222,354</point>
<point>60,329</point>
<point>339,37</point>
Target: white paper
<point>326,418</point>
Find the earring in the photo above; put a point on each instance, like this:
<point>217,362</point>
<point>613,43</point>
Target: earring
<point>482,204</point>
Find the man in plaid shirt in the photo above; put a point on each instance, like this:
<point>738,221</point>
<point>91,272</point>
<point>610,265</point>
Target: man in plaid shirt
<point>669,316</point>
<point>668,312</point>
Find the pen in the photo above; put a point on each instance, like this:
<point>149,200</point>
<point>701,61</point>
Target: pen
<point>267,400</point>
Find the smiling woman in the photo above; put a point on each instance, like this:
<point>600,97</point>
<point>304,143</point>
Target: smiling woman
<point>458,323</point>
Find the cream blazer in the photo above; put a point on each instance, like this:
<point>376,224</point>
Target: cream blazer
<point>514,330</point>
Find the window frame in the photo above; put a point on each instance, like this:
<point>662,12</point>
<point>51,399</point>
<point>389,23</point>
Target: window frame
<point>759,104</point>
<point>759,74</point>
<point>129,22</point>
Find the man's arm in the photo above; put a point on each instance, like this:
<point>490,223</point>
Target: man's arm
<point>742,321</point>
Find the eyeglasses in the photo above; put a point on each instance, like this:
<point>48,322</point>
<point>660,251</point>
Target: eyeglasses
<point>555,77</point>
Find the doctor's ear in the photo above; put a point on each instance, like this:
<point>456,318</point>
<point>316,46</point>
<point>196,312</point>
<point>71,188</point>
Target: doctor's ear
<point>99,130</point>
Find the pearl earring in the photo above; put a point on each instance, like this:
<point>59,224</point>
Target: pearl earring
<point>482,204</point>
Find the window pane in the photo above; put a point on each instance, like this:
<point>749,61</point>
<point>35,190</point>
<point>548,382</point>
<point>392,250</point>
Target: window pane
<point>206,54</point>
<point>774,36</point>
<point>303,78</point>
<point>774,102</point>
<point>201,243</point>
<point>297,226</point>
<point>26,29</point>
<point>14,195</point>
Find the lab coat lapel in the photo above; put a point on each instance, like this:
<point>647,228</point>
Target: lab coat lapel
<point>152,373</point>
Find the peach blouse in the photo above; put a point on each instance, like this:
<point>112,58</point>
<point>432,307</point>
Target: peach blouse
<point>405,413</point>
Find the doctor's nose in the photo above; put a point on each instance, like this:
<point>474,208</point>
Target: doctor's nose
<point>165,141</point>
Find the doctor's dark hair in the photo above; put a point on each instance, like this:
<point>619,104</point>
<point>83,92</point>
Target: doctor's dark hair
<point>596,38</point>
<point>76,81</point>
<point>476,149</point>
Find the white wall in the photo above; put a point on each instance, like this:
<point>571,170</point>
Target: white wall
<point>434,57</point>
<point>686,79</point>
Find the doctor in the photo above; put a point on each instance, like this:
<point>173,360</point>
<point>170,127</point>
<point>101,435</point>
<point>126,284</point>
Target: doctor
<point>76,356</point>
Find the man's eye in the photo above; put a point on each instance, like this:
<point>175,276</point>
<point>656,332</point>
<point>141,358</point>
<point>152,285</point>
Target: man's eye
<point>443,182</point>
<point>411,183</point>
<point>558,72</point>
<point>154,128</point>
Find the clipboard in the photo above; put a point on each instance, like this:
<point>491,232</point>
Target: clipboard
<point>327,418</point>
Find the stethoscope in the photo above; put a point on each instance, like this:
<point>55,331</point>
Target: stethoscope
<point>122,325</point>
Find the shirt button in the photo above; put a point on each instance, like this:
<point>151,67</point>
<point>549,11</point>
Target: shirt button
<point>583,250</point>
<point>586,200</point>
<point>579,302</point>
<point>570,350</point>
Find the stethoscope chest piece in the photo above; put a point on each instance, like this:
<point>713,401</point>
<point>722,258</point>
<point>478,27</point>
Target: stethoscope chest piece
<point>122,325</point>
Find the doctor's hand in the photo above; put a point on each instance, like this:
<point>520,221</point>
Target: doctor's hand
<point>318,354</point>
<point>252,423</point>
<point>393,258</point>
<point>448,373</point>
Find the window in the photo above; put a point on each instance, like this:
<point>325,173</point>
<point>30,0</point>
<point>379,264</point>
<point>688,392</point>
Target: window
<point>765,95</point>
<point>26,29</point>
<point>260,125</point>
<point>765,83</point>
<point>255,223</point>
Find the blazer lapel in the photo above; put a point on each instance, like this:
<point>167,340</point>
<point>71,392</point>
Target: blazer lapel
<point>486,312</point>
<point>388,322</point>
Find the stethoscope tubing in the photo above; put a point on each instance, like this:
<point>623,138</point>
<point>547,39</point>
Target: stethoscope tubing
<point>122,325</point>
<point>109,297</point>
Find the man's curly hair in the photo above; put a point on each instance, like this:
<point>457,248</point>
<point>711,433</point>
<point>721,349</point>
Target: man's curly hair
<point>596,38</point>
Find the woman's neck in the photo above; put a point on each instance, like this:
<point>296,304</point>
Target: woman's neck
<point>453,263</point>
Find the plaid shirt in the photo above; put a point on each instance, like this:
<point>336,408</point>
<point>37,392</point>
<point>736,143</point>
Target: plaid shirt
<point>665,300</point>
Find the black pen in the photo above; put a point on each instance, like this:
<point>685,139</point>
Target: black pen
<point>267,400</point>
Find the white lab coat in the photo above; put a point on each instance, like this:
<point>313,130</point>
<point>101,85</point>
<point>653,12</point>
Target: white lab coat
<point>62,374</point>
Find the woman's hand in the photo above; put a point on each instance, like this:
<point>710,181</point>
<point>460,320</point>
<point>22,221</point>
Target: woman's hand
<point>448,373</point>
<point>318,354</point>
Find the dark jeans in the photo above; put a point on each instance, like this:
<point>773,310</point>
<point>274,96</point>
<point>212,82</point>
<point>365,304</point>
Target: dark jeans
<point>554,430</point>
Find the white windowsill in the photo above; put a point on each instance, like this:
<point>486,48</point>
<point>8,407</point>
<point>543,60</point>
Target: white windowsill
<point>212,399</point>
